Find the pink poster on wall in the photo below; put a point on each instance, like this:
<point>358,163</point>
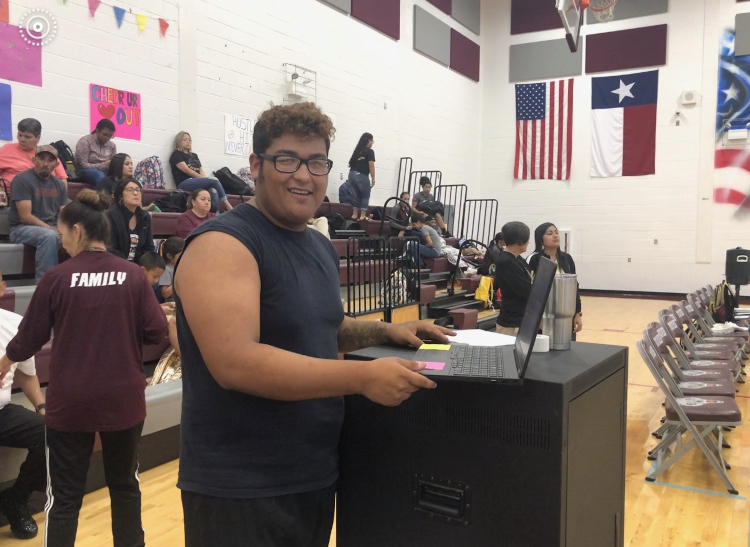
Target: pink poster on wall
<point>122,108</point>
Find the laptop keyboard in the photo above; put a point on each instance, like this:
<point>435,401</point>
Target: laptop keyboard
<point>483,362</point>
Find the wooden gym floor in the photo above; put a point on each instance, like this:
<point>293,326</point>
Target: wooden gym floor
<point>689,508</point>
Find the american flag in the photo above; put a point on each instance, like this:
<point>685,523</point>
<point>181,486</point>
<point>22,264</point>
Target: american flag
<point>544,130</point>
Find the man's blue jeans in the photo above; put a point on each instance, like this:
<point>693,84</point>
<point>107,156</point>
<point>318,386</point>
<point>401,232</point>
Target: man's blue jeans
<point>46,242</point>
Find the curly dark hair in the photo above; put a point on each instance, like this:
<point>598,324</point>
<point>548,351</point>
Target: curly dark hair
<point>304,120</point>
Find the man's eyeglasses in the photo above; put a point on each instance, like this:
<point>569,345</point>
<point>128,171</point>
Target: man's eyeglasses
<point>132,190</point>
<point>290,164</point>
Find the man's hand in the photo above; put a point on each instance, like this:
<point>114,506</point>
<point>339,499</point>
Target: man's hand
<point>391,381</point>
<point>5,365</point>
<point>411,334</point>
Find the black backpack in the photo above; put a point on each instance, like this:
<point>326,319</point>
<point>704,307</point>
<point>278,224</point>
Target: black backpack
<point>335,222</point>
<point>232,183</point>
<point>64,153</point>
<point>175,202</point>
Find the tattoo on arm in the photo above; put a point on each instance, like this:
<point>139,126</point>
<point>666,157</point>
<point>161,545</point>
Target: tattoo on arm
<point>354,335</point>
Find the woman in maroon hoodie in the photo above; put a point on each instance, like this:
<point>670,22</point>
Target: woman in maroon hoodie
<point>102,310</point>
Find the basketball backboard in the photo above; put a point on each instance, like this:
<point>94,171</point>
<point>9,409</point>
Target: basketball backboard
<point>572,19</point>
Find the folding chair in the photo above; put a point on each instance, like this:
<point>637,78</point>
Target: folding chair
<point>691,357</point>
<point>698,416</point>
<point>721,377</point>
<point>691,382</point>
<point>700,301</point>
<point>684,321</point>
<point>702,337</point>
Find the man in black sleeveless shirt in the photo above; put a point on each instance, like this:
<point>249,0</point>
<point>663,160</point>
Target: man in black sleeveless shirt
<point>260,324</point>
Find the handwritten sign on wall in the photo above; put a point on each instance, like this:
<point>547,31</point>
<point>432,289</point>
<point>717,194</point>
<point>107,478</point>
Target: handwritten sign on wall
<point>238,135</point>
<point>122,108</point>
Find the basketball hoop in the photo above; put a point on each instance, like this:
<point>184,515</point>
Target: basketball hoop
<point>603,9</point>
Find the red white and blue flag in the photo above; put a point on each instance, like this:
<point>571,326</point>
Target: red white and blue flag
<point>624,125</point>
<point>544,130</point>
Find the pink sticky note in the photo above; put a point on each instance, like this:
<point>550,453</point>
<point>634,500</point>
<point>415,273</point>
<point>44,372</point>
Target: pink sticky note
<point>434,366</point>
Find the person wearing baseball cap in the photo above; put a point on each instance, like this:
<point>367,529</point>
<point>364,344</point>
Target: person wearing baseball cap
<point>36,200</point>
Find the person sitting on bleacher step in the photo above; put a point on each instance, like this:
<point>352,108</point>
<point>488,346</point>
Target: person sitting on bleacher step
<point>35,203</point>
<point>399,217</point>
<point>132,234</point>
<point>198,212</point>
<point>120,168</point>
<point>16,157</point>
<point>94,153</point>
<point>21,428</point>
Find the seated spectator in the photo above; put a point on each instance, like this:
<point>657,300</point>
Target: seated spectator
<point>492,255</point>
<point>16,157</point>
<point>513,277</point>
<point>131,225</point>
<point>424,203</point>
<point>199,207</point>
<point>170,252</point>
<point>153,267</point>
<point>35,203</point>
<point>425,235</point>
<point>347,194</point>
<point>120,167</point>
<point>399,217</point>
<point>21,428</point>
<point>188,173</point>
<point>94,153</point>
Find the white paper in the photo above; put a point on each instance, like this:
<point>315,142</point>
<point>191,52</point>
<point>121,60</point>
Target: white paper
<point>238,135</point>
<point>479,337</point>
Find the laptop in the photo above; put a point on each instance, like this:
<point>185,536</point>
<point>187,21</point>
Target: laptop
<point>502,364</point>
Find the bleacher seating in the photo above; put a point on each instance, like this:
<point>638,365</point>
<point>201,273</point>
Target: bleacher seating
<point>164,224</point>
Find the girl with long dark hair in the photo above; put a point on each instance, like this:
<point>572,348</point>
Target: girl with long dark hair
<point>120,167</point>
<point>547,244</point>
<point>362,174</point>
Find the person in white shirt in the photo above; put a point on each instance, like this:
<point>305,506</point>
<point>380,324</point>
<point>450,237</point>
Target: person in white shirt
<point>21,428</point>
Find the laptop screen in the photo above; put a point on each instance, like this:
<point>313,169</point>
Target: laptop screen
<point>532,318</point>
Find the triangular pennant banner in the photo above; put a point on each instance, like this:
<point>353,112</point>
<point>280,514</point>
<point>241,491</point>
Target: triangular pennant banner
<point>93,6</point>
<point>163,26</point>
<point>141,21</point>
<point>119,15</point>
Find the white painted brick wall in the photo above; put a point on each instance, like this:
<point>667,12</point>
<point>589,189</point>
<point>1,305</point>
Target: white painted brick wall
<point>616,219</point>
<point>433,114</point>
<point>89,51</point>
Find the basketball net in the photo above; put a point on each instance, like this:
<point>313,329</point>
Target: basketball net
<point>603,9</point>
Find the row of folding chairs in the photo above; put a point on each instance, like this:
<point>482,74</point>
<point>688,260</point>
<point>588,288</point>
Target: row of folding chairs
<point>696,363</point>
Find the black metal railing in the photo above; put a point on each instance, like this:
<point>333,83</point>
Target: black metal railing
<point>404,175</point>
<point>408,179</point>
<point>453,197</point>
<point>382,275</point>
<point>479,219</point>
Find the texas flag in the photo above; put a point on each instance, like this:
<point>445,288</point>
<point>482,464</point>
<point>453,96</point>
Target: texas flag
<point>624,132</point>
